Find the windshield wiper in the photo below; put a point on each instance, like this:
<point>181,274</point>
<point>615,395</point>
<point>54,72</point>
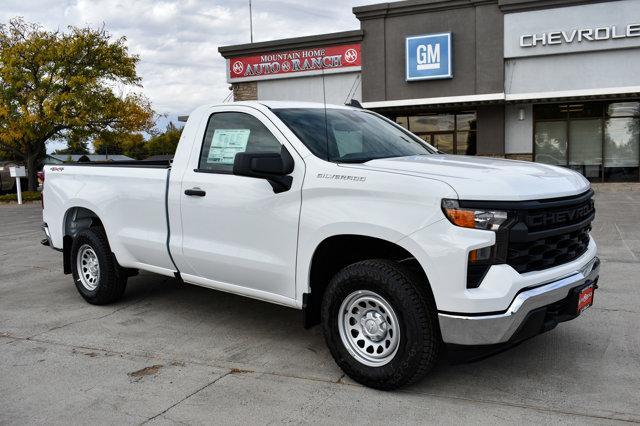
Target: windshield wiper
<point>354,160</point>
<point>361,159</point>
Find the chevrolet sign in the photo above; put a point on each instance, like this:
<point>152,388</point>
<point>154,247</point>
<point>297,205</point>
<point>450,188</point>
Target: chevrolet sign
<point>612,32</point>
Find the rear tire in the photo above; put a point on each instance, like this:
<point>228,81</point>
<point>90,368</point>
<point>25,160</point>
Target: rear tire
<point>380,324</point>
<point>97,275</point>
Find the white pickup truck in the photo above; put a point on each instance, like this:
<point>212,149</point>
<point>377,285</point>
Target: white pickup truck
<point>399,251</point>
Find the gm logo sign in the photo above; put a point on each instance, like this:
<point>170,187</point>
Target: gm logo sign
<point>429,57</point>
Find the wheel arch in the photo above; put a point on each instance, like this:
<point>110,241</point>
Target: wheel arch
<point>337,251</point>
<point>75,220</point>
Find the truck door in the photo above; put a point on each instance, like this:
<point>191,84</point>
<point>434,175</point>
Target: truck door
<point>237,234</point>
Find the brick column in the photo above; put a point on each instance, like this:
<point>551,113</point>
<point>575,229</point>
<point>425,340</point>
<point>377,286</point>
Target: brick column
<point>247,91</point>
<point>521,157</point>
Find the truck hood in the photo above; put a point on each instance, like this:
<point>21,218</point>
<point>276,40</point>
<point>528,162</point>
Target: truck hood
<point>483,178</point>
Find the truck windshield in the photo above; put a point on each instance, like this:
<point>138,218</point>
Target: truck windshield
<point>350,136</point>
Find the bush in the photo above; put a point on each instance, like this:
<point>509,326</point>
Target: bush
<point>26,196</point>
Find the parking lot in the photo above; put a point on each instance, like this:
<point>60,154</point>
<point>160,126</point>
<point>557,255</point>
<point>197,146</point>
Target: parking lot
<point>172,353</point>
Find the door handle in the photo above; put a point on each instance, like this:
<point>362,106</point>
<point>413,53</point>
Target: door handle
<point>196,192</point>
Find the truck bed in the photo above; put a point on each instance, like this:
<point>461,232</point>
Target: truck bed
<point>128,196</point>
<point>159,164</point>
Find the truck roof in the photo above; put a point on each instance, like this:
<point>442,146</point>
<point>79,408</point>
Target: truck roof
<point>269,105</point>
<point>291,104</point>
<point>287,104</point>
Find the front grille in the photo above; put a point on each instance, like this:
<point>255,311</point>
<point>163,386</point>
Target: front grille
<point>548,233</point>
<point>539,234</point>
<point>549,218</point>
<point>548,252</point>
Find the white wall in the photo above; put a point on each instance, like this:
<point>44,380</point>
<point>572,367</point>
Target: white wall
<point>575,66</point>
<point>309,89</point>
<point>568,19</point>
<point>518,134</point>
<point>580,71</point>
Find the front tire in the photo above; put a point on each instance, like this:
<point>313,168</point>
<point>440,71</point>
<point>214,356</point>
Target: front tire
<point>96,274</point>
<point>380,324</point>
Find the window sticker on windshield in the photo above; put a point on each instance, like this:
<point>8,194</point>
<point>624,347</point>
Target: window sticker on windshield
<point>348,141</point>
<point>226,143</point>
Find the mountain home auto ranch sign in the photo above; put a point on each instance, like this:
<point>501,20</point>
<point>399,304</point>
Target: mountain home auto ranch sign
<point>290,63</point>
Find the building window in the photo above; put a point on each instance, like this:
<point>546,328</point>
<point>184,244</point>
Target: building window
<point>452,133</point>
<point>551,142</point>
<point>601,140</point>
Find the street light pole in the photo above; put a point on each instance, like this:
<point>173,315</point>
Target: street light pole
<point>250,22</point>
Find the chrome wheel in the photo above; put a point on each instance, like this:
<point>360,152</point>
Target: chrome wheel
<point>369,328</point>
<point>88,267</point>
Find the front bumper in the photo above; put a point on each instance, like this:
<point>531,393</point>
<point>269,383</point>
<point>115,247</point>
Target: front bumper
<point>526,315</point>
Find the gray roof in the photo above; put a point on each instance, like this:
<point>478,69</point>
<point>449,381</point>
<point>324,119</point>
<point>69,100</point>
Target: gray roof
<point>342,37</point>
<point>91,157</point>
<point>160,157</point>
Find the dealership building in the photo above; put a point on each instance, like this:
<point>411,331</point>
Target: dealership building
<point>552,81</point>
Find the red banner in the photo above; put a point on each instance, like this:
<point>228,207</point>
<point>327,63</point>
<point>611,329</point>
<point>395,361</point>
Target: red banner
<point>278,64</point>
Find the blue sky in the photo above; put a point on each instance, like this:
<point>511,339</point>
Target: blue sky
<point>178,40</point>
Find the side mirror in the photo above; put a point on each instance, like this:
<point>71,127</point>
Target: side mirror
<point>272,166</point>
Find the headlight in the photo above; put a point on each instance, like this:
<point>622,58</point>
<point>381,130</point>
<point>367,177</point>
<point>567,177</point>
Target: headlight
<point>473,218</point>
<point>480,259</point>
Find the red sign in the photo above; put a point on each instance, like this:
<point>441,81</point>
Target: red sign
<point>585,298</point>
<point>279,64</point>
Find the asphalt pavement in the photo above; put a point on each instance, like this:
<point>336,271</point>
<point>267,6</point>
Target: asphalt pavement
<point>171,353</point>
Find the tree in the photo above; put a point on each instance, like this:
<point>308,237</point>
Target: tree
<point>76,144</point>
<point>130,144</point>
<point>58,85</point>
<point>164,143</point>
<point>6,155</point>
<point>108,143</point>
<point>134,146</point>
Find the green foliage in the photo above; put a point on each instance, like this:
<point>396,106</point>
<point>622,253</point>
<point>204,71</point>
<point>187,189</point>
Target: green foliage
<point>133,144</point>
<point>26,196</point>
<point>108,143</point>
<point>76,144</point>
<point>7,155</point>
<point>61,85</point>
<point>164,143</point>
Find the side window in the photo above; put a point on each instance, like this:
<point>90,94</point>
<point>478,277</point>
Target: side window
<point>229,133</point>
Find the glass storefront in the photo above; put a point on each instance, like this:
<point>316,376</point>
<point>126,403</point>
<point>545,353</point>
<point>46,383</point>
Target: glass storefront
<point>453,133</point>
<point>601,140</point>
